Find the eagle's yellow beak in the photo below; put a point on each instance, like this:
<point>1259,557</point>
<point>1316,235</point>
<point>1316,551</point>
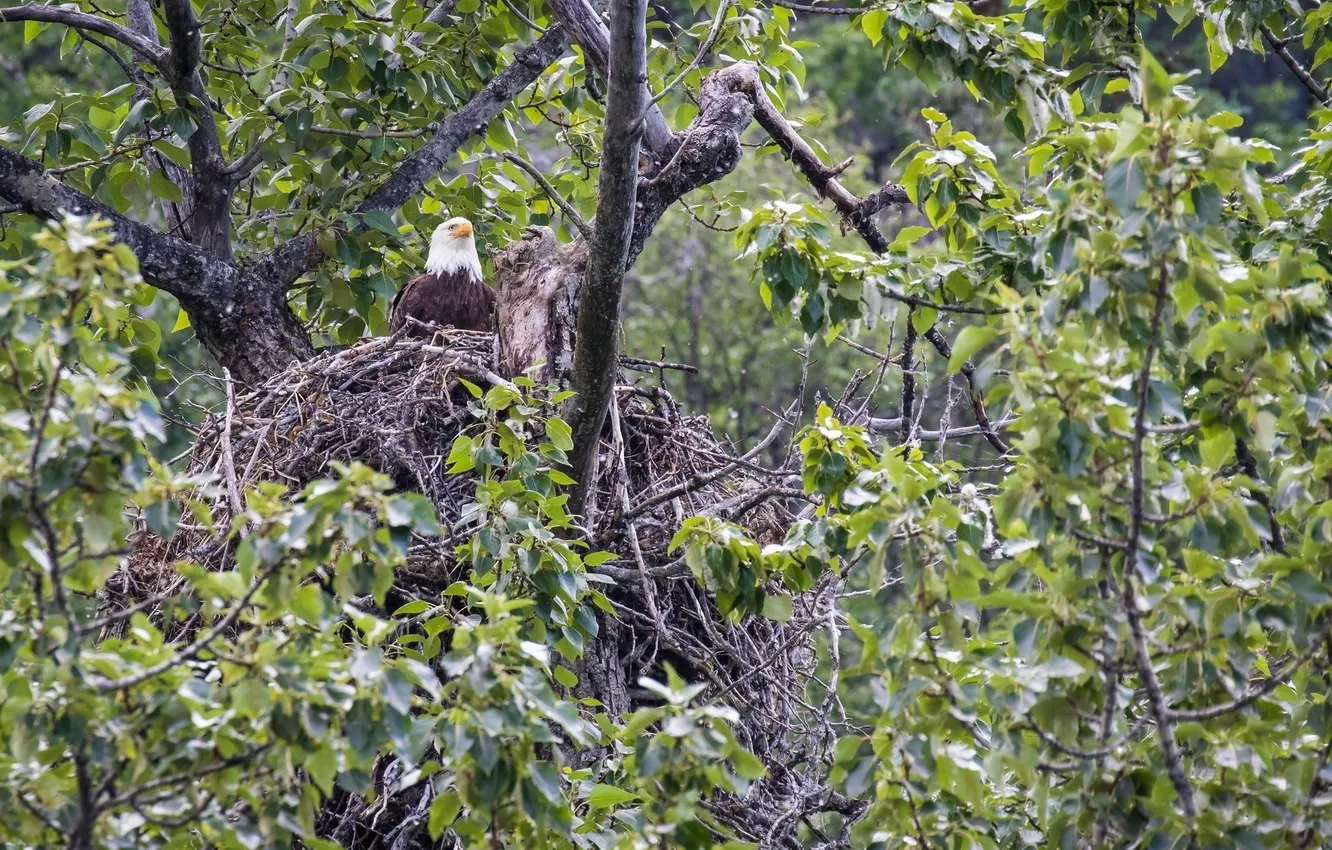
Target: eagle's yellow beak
<point>463,229</point>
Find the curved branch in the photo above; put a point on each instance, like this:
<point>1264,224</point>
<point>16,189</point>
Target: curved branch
<point>210,224</point>
<point>1266,687</point>
<point>702,53</point>
<point>165,262</point>
<point>1302,74</point>
<point>565,207</point>
<point>151,52</point>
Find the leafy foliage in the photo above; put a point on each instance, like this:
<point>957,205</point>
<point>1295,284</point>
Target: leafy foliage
<point>1113,630</point>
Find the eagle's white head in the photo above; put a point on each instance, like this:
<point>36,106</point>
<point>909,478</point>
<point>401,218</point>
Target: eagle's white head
<point>453,249</point>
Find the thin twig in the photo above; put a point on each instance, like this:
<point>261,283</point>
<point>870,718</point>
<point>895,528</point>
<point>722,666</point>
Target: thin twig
<point>1268,685</point>
<point>722,9</point>
<point>530,23</point>
<point>1278,45</point>
<point>584,229</point>
<point>816,10</point>
<point>228,461</point>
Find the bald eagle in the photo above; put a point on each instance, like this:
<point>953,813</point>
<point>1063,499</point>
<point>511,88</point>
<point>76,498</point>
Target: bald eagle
<point>451,292</point>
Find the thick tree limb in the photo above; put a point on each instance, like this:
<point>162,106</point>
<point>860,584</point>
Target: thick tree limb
<point>590,33</point>
<point>289,262</point>
<point>210,221</point>
<point>436,16</point>
<point>146,48</point>
<point>139,13</point>
<point>167,263</point>
<point>598,320</point>
<point>539,280</point>
<point>244,324</point>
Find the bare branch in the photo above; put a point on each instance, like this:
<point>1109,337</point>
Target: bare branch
<point>816,10</point>
<point>191,651</point>
<point>237,501</point>
<point>1099,752</point>
<point>703,479</point>
<point>1256,693</point>
<point>129,796</point>
<point>894,425</point>
<point>66,16</point>
<point>722,9</point>
<point>977,397</point>
<point>590,33</point>
<point>857,211</point>
<point>436,16</point>
<point>1302,74</point>
<point>532,25</point>
<point>1156,700</point>
<point>165,262</point>
<point>210,221</point>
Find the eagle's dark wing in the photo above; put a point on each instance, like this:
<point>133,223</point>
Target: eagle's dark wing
<point>474,307</point>
<point>412,300</point>
<point>448,300</point>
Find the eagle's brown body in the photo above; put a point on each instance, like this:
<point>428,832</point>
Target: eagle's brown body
<point>450,299</point>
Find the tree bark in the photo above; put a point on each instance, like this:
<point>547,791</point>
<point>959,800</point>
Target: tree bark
<point>584,24</point>
<point>539,280</point>
<point>598,318</point>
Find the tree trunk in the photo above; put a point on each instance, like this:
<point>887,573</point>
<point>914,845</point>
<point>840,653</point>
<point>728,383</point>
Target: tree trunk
<point>256,335</point>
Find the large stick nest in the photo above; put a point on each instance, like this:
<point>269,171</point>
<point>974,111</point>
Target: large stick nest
<point>397,405</point>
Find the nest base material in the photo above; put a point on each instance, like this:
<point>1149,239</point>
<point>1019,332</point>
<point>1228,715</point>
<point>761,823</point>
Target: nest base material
<point>397,405</point>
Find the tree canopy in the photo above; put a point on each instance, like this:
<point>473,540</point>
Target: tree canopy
<point>1015,529</point>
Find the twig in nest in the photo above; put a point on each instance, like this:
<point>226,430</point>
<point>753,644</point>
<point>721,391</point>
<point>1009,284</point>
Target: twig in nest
<point>228,461</point>
<point>640,365</point>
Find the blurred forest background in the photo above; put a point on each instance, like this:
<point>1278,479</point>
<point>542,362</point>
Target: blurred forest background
<point>688,299</point>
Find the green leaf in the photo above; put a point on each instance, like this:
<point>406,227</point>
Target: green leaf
<point>908,236</point>
<point>471,387</point>
<point>1225,120</point>
<point>322,765</point>
<point>872,23</point>
<point>443,812</point>
<point>1124,183</point>
<point>1072,447</point>
<point>923,318</point>
<point>1218,449</point>
<point>381,221</point>
<point>746,764</point>
<point>560,434</point>
<point>416,606</point>
<point>970,340</point>
<point>161,186</point>
<point>777,607</point>
<point>298,124</point>
<point>607,796</point>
